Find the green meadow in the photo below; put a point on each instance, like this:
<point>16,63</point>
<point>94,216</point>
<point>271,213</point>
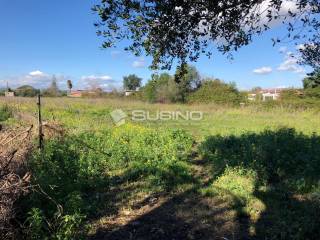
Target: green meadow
<point>94,114</point>
<point>246,172</point>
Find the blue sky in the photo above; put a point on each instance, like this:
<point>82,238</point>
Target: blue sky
<point>40,38</point>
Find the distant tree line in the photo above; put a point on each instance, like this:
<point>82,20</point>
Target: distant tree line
<point>29,91</point>
<point>186,85</point>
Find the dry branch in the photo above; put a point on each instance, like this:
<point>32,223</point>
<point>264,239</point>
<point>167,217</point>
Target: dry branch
<point>15,145</point>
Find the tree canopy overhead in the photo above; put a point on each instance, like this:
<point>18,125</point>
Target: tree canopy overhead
<point>185,29</point>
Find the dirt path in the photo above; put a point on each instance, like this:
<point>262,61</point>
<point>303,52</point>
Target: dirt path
<point>182,215</point>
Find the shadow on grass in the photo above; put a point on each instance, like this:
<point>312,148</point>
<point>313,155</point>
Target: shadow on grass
<point>150,181</point>
<point>287,216</point>
<point>185,216</point>
<point>287,166</point>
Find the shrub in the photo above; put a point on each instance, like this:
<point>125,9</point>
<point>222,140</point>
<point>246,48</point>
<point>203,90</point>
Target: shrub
<point>161,88</point>
<point>279,157</point>
<point>313,93</point>
<point>215,91</point>
<point>307,98</point>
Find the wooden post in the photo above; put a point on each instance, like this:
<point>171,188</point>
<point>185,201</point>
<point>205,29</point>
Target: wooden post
<point>40,123</point>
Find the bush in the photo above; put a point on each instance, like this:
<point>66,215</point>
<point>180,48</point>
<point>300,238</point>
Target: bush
<point>298,98</point>
<point>215,91</point>
<point>161,88</point>
<point>279,157</point>
<point>313,93</point>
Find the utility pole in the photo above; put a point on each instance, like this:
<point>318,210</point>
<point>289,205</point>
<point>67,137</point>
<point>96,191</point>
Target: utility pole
<point>40,123</point>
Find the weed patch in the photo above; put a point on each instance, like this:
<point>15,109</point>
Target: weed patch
<point>5,113</point>
<point>73,172</point>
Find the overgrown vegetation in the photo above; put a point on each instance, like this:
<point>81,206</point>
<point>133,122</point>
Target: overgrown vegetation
<point>218,92</point>
<point>100,181</point>
<point>189,87</point>
<point>5,112</point>
<point>72,172</point>
<point>274,181</point>
<point>275,162</point>
<point>307,98</point>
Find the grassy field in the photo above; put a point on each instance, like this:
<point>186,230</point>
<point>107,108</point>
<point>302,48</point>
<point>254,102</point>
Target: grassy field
<point>239,173</point>
<point>94,114</point>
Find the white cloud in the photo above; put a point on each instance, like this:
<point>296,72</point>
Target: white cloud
<point>96,78</point>
<point>93,81</point>
<point>290,64</point>
<point>300,47</point>
<point>43,80</point>
<point>37,73</point>
<point>263,70</point>
<point>36,79</point>
<point>286,6</point>
<point>260,12</point>
<point>140,63</point>
<point>283,49</point>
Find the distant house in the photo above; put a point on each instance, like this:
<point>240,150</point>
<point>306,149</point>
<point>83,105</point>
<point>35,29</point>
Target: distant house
<point>130,92</point>
<point>9,94</point>
<point>271,94</point>
<point>76,94</point>
<point>266,94</point>
<point>252,96</point>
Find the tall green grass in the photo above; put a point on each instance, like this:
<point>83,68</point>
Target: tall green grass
<point>73,171</point>
<point>94,115</point>
<point>5,112</point>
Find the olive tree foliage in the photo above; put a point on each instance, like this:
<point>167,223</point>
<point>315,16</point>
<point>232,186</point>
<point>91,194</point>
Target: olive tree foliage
<point>311,53</point>
<point>131,82</point>
<point>167,88</point>
<point>188,80</point>
<point>185,29</point>
<point>160,88</point>
<point>312,80</point>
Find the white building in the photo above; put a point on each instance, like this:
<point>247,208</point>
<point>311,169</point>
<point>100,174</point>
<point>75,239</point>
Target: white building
<point>266,94</point>
<point>252,96</point>
<point>9,94</point>
<point>130,92</point>
<point>270,96</point>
